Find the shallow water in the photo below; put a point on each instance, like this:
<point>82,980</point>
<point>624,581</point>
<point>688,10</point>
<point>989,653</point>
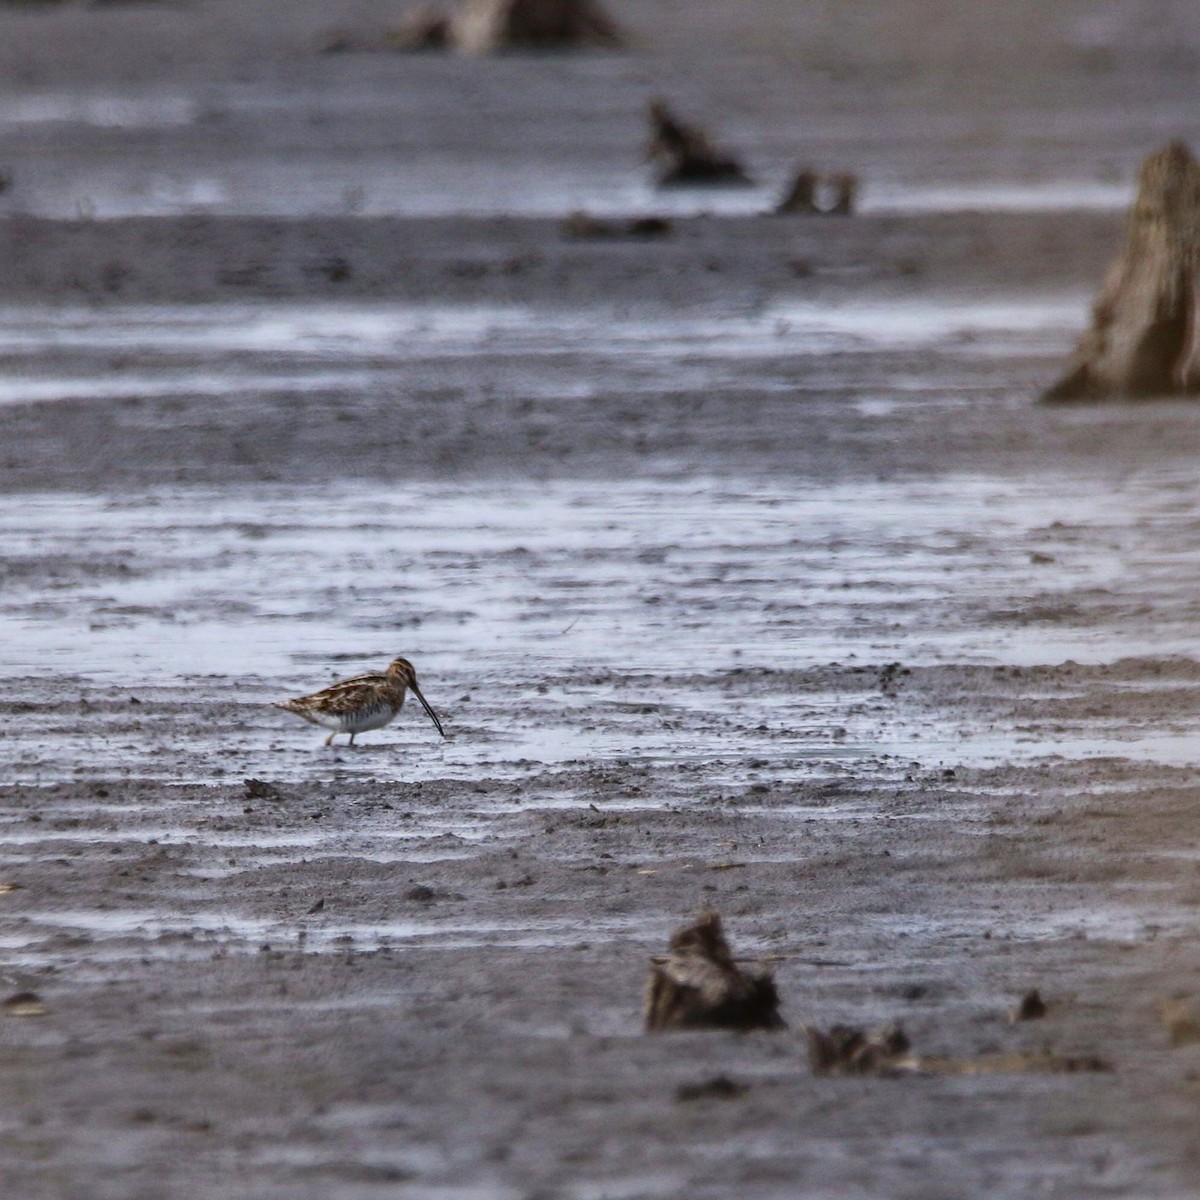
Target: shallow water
<point>439,190</point>
<point>388,136</point>
<point>622,575</point>
<point>274,590</point>
<point>69,352</point>
<point>146,935</point>
<point>416,968</point>
<point>99,939</point>
<point>202,597</point>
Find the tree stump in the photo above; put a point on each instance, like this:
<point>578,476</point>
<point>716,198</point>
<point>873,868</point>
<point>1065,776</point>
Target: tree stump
<point>809,189</point>
<point>1145,334</point>
<point>489,26</point>
<point>801,197</point>
<point>845,195</point>
<point>685,155</point>
<point>699,986</point>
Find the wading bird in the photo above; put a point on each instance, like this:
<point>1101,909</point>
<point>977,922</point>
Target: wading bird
<point>364,702</point>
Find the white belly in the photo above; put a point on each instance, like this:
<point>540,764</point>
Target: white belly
<point>356,722</point>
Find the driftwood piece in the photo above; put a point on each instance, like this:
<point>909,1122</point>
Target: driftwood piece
<point>23,1004</point>
<point>699,986</point>
<point>582,226</point>
<point>1144,338</point>
<point>490,26</point>
<point>844,1050</point>
<point>685,155</point>
<point>719,1087</point>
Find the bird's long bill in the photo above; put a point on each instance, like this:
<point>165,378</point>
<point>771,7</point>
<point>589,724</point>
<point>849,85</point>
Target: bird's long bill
<point>425,705</point>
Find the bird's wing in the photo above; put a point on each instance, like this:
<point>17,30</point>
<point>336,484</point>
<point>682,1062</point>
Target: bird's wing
<point>348,695</point>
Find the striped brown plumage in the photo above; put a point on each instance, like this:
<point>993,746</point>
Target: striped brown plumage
<point>364,702</point>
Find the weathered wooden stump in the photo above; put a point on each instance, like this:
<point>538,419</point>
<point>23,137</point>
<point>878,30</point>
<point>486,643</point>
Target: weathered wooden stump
<point>490,26</point>
<point>1145,334</point>
<point>685,155</point>
<point>845,194</point>
<point>801,197</point>
<point>814,194</point>
<point>700,986</point>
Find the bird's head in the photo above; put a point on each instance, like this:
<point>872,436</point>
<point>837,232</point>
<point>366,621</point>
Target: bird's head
<point>402,669</point>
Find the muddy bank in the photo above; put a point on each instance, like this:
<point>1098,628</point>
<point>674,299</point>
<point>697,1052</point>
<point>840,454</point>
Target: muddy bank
<point>458,260</point>
<point>213,107</point>
<point>739,562</point>
<point>392,349</point>
<point>416,968</point>
<point>321,991</point>
<point>797,608</point>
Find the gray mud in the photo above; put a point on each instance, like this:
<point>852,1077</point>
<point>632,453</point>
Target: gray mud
<point>740,565</point>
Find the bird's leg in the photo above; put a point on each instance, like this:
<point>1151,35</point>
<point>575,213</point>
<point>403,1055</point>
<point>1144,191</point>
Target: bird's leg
<point>352,739</point>
<point>329,739</point>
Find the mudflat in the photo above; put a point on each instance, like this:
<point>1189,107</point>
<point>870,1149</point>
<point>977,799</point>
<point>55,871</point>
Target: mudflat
<point>740,563</point>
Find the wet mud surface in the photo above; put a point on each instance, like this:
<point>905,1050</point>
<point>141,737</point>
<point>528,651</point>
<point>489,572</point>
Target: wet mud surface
<point>925,736</point>
<point>744,573</point>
